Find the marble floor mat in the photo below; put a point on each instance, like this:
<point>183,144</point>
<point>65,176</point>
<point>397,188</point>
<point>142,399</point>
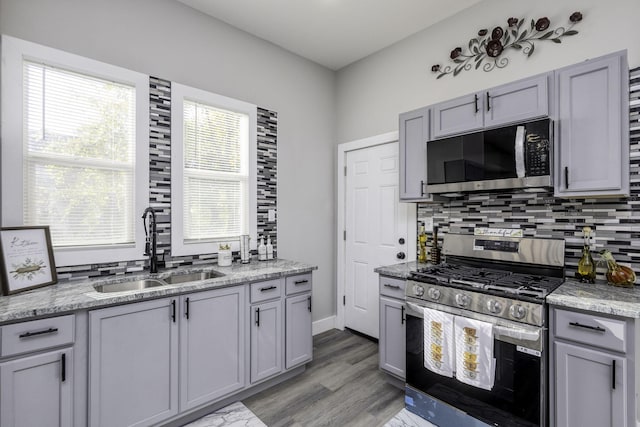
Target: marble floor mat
<point>405,418</point>
<point>234,415</point>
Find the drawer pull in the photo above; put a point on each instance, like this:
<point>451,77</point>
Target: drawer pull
<point>63,368</point>
<point>300,282</point>
<point>43,332</point>
<point>593,328</point>
<point>386,285</point>
<point>267,288</point>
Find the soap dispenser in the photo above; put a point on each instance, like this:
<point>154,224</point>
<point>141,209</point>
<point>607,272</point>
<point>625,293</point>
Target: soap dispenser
<point>269,248</point>
<point>262,250</point>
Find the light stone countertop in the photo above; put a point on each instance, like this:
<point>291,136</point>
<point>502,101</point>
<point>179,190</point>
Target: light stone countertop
<point>67,297</point>
<point>598,297</point>
<point>400,271</point>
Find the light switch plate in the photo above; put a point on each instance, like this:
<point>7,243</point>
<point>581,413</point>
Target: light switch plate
<point>272,214</point>
<point>428,225</point>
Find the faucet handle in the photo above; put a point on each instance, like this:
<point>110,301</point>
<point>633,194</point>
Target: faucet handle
<point>147,247</point>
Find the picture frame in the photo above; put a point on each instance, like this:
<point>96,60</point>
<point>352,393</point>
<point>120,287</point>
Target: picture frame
<point>26,259</point>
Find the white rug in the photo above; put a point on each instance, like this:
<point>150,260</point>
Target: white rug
<point>234,415</point>
<point>405,418</point>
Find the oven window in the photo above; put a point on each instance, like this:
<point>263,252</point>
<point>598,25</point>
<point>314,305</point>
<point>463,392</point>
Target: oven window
<point>514,399</point>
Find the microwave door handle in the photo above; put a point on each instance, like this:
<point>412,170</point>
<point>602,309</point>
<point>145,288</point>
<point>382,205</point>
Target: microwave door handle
<point>519,152</point>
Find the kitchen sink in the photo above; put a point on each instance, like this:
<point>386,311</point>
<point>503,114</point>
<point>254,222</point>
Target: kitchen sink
<point>132,285</point>
<point>192,277</point>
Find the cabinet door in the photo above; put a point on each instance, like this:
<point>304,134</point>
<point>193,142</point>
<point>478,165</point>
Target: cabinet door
<point>392,342</point>
<point>516,102</point>
<point>414,134</point>
<point>133,364</point>
<point>266,340</point>
<point>590,387</point>
<point>37,390</point>
<point>298,339</point>
<point>212,345</point>
<point>592,150</point>
<point>457,116</point>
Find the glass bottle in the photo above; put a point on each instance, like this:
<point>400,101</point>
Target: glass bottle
<point>422,245</point>
<point>586,266</point>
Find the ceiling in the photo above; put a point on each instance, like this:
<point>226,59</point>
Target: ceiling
<point>333,33</point>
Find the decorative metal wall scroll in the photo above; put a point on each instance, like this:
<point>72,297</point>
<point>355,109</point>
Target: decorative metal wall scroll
<point>488,49</point>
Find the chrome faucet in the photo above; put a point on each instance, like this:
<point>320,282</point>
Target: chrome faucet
<point>151,236</point>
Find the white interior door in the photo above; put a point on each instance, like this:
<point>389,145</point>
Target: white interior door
<point>376,230</point>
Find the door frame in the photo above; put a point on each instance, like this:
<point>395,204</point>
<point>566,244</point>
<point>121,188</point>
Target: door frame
<point>343,149</point>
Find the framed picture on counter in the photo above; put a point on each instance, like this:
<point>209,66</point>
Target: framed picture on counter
<point>26,259</point>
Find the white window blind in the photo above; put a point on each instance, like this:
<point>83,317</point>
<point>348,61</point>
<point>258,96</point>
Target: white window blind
<point>216,173</point>
<point>79,156</point>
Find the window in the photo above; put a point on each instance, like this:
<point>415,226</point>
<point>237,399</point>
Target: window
<point>213,164</point>
<point>72,160</point>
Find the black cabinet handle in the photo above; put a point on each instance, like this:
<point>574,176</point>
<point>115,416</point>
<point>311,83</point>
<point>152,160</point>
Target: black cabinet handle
<point>43,332</point>
<point>566,177</point>
<point>300,282</point>
<point>63,368</point>
<point>592,328</point>
<point>309,303</point>
<point>257,316</point>
<point>421,188</point>
<point>402,315</point>
<point>475,96</point>
<point>186,308</point>
<point>488,102</point>
<point>386,285</point>
<point>613,375</point>
<point>267,288</point>
<point>173,311</point>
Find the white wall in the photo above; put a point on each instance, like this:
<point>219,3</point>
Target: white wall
<point>166,39</point>
<point>372,92</point>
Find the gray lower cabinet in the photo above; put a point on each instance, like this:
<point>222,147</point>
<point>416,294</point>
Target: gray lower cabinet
<point>414,134</point>
<point>591,387</point>
<point>266,340</point>
<point>392,341</point>
<point>133,364</point>
<point>37,372</point>
<point>592,147</point>
<point>592,376</point>
<point>298,338</point>
<point>37,390</point>
<point>212,345</point>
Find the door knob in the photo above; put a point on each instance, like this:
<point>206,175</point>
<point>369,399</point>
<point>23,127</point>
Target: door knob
<point>400,255</point>
<point>401,240</point>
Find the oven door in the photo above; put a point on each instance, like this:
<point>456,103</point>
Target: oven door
<point>518,397</point>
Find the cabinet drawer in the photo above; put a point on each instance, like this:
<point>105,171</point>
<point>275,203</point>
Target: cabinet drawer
<point>299,283</point>
<point>37,335</point>
<point>392,287</point>
<point>591,329</point>
<point>263,291</point>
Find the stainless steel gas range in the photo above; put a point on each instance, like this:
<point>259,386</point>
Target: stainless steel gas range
<point>498,280</point>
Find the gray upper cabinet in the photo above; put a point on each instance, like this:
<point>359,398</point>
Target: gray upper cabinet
<point>37,390</point>
<point>414,134</point>
<point>212,345</point>
<point>299,341</point>
<point>266,340</point>
<point>514,102</point>
<point>133,364</point>
<point>592,147</point>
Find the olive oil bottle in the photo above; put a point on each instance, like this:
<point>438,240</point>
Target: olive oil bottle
<point>586,266</point>
<point>422,245</point>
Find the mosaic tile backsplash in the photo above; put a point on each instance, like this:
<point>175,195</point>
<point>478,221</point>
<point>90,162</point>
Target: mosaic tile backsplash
<point>160,187</point>
<point>616,222</point>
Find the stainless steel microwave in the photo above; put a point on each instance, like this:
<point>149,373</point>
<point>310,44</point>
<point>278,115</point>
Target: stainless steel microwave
<point>516,156</point>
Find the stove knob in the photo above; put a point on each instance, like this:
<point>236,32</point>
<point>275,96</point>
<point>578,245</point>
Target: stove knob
<point>434,294</point>
<point>517,311</point>
<point>418,290</point>
<point>462,300</point>
<point>494,306</point>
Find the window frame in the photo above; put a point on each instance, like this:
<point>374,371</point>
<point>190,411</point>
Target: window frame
<point>13,52</point>
<point>180,93</point>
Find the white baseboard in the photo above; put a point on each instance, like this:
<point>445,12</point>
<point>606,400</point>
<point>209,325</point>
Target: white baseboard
<point>323,325</point>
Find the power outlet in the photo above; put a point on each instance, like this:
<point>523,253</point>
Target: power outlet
<point>592,240</point>
<point>428,225</point>
<point>272,214</point>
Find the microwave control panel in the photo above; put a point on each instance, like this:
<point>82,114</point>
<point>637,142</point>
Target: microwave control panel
<point>537,155</point>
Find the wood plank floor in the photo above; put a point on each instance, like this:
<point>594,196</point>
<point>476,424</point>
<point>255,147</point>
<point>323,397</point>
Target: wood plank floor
<point>342,386</point>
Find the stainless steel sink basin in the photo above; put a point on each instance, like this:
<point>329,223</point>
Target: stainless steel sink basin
<point>132,285</point>
<point>192,277</point>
